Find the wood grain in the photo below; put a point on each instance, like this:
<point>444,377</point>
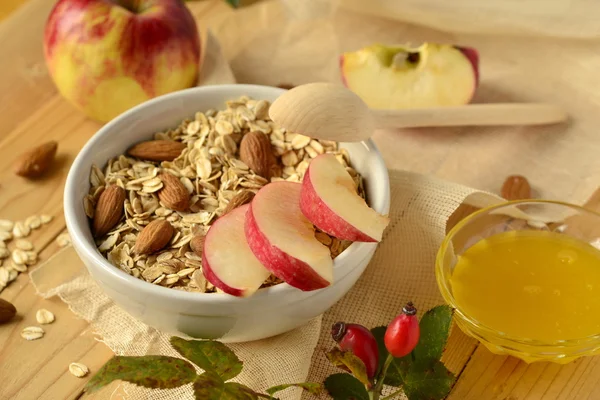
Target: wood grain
<point>32,111</point>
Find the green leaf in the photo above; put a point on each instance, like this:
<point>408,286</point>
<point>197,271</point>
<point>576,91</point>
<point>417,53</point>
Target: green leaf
<point>347,361</point>
<point>310,387</point>
<point>209,386</point>
<point>157,372</point>
<point>209,355</point>
<point>397,370</point>
<point>345,387</point>
<point>379,333</point>
<point>427,382</point>
<point>434,327</point>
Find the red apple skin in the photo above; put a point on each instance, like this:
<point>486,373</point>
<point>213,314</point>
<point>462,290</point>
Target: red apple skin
<point>212,278</point>
<point>324,218</point>
<point>473,57</point>
<point>291,270</point>
<point>131,56</point>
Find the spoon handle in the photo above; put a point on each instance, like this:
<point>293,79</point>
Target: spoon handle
<point>471,115</point>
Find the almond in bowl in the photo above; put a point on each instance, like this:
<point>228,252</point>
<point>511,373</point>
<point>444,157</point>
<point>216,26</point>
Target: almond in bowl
<point>277,214</point>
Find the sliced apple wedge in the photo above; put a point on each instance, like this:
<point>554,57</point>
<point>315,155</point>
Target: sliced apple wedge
<point>397,77</point>
<point>283,239</point>
<point>227,261</point>
<point>330,201</point>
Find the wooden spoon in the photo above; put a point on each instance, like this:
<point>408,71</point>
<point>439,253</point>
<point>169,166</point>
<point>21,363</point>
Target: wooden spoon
<point>331,112</point>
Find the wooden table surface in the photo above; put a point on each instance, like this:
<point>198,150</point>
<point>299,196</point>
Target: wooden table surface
<point>32,111</point>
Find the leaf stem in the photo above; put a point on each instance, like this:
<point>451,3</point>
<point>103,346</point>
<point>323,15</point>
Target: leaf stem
<point>266,396</point>
<point>379,385</point>
<point>391,396</point>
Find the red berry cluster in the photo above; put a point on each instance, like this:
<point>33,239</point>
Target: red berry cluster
<point>401,337</point>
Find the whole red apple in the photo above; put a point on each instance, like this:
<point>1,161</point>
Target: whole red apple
<point>106,56</point>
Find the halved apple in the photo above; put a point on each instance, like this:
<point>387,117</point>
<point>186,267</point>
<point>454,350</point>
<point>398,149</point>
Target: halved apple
<point>283,239</point>
<point>396,77</point>
<point>330,201</point>
<point>227,261</point>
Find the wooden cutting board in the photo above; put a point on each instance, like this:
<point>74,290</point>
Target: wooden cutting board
<point>32,111</point>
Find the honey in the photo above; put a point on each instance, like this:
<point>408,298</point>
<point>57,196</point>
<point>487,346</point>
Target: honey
<point>536,285</point>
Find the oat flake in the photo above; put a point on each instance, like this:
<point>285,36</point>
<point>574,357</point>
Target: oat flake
<point>32,333</point>
<point>79,370</point>
<point>44,316</point>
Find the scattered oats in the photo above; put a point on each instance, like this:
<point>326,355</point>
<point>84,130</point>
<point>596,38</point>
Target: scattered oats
<point>4,253</point>
<point>34,222</point>
<point>311,152</point>
<point>96,176</point>
<point>185,272</point>
<point>6,225</point>
<point>63,239</point>
<point>18,267</point>
<point>21,230</point>
<point>109,242</point>
<point>79,370</point>
<point>19,256</point>
<point>199,280</point>
<point>44,316</point>
<point>289,158</point>
<point>164,257</point>
<point>224,127</point>
<point>152,185</point>
<point>24,244</point>
<point>32,333</point>
<point>300,141</point>
<point>5,236</point>
<point>203,168</point>
<point>193,127</point>
<point>88,206</point>
<point>32,257</point>
<point>12,275</point>
<point>261,109</point>
<point>4,276</point>
<point>317,146</point>
<point>170,279</point>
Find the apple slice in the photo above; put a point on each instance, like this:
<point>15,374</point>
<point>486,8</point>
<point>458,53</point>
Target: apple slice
<point>227,261</point>
<point>283,239</point>
<point>397,77</point>
<point>330,201</point>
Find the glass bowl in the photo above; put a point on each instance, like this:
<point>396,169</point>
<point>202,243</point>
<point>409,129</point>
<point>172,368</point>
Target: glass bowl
<point>567,219</point>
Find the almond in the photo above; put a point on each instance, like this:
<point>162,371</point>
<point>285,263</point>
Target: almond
<point>255,152</point>
<point>243,197</point>
<point>36,161</point>
<point>7,311</point>
<point>197,244</point>
<point>157,150</point>
<point>516,187</point>
<point>154,237</point>
<point>173,194</point>
<point>109,210</point>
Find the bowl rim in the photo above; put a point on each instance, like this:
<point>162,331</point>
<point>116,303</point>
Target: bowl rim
<point>89,250</point>
<point>449,298</point>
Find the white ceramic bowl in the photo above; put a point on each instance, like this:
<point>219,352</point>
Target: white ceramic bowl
<point>268,312</point>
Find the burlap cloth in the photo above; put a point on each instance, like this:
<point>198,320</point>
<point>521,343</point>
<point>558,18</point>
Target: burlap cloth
<point>531,56</point>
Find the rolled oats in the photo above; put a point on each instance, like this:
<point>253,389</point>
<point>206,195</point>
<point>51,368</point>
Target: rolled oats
<point>44,316</point>
<point>211,171</point>
<point>32,333</point>
<point>6,225</point>
<point>79,370</point>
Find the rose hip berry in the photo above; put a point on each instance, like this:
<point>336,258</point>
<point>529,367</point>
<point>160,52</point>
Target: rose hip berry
<point>402,334</point>
<point>360,341</point>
